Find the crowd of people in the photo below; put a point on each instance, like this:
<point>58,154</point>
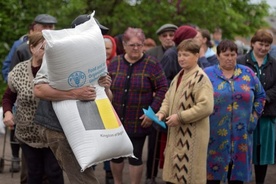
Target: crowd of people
<point>218,103</point>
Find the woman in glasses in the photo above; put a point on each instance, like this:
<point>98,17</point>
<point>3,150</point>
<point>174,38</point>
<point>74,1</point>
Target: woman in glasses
<point>138,81</point>
<point>39,157</point>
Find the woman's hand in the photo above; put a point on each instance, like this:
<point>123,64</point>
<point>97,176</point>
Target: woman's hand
<point>160,116</point>
<point>8,119</point>
<point>172,120</point>
<point>146,121</point>
<point>105,81</point>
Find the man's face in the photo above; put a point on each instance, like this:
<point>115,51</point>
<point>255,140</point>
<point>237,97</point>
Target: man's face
<point>217,36</point>
<point>166,39</point>
<point>40,27</point>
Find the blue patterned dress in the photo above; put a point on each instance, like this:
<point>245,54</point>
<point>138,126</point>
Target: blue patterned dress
<point>232,122</point>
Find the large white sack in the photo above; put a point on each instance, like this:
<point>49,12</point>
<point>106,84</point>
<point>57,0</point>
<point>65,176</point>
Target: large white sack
<point>95,134</point>
<point>75,58</point>
<point>2,126</point>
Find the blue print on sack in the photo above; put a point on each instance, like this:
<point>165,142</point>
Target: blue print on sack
<point>77,79</point>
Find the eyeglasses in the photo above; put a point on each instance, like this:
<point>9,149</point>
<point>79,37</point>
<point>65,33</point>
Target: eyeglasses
<point>164,35</point>
<point>135,45</point>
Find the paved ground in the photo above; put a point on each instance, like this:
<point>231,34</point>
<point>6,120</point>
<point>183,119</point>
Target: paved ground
<point>8,178</point>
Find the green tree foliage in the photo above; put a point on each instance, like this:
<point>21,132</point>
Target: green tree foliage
<point>234,17</point>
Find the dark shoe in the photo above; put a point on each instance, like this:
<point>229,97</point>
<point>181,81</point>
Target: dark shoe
<point>150,181</point>
<point>109,178</point>
<point>15,165</point>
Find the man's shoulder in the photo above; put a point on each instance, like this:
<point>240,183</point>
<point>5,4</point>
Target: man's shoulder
<point>241,59</point>
<point>23,46</point>
<point>154,49</point>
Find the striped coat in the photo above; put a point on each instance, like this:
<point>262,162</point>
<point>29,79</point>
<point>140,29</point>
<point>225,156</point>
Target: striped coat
<point>186,149</point>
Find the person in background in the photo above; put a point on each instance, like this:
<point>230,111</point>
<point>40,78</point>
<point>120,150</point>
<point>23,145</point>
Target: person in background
<point>41,22</point>
<point>207,55</point>
<point>165,35</point>
<point>217,36</point>
<point>239,101</point>
<point>39,157</point>
<point>138,81</point>
<point>169,60</point>
<point>16,44</point>
<point>264,66</point>
<point>148,44</point>
<point>240,46</point>
<point>119,44</point>
<point>186,109</point>
<point>51,130</point>
<point>110,48</point>
<point>272,51</point>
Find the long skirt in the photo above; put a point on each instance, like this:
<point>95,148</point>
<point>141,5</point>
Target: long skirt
<point>264,141</point>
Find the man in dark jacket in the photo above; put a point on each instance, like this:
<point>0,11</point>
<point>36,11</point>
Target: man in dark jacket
<point>41,22</point>
<point>165,35</point>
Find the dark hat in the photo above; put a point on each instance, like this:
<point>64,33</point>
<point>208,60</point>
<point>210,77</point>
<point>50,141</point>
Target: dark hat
<point>45,19</point>
<point>166,27</point>
<point>83,18</point>
<point>184,33</point>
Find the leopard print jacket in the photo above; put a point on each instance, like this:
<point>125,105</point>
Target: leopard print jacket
<point>20,81</point>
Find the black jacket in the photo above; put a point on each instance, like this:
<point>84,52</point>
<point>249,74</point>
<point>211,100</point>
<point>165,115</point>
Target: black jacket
<point>22,53</point>
<point>267,79</point>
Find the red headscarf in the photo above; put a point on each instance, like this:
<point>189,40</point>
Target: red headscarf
<point>113,53</point>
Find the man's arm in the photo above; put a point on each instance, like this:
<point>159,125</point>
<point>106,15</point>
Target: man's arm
<point>7,61</point>
<point>45,91</point>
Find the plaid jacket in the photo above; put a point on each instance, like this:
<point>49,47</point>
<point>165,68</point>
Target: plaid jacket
<point>136,86</point>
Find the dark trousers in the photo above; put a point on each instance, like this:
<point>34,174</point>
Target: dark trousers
<point>260,173</point>
<point>40,162</point>
<point>153,154</point>
<point>14,144</point>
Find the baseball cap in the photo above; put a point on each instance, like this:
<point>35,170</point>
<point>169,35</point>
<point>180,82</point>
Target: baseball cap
<point>45,19</point>
<point>166,27</point>
<point>83,18</point>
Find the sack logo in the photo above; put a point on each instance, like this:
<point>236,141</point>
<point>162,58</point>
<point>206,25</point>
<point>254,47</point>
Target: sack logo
<point>77,79</point>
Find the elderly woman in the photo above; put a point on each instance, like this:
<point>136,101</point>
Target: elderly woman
<point>264,66</point>
<point>39,157</point>
<point>239,101</point>
<point>186,109</point>
<point>110,48</point>
<point>136,77</point>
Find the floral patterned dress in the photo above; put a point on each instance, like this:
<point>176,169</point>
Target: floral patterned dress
<point>232,122</point>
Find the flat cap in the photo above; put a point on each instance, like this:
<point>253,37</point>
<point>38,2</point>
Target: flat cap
<point>83,18</point>
<point>45,19</point>
<point>166,27</point>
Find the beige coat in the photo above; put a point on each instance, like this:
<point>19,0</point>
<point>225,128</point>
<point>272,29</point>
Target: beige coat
<point>186,149</point>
